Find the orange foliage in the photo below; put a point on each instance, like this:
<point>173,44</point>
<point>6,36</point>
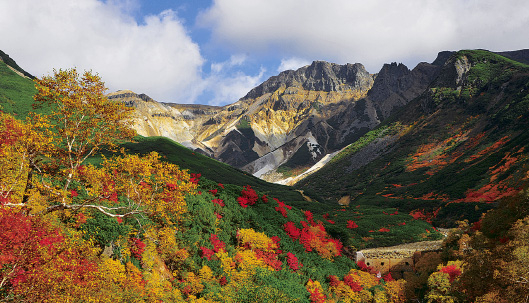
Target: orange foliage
<point>489,149</point>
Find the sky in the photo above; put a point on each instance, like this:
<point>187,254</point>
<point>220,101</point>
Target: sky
<point>215,51</point>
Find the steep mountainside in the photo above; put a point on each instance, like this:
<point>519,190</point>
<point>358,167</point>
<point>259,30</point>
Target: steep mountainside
<point>457,149</point>
<point>14,66</point>
<point>16,88</point>
<point>290,121</point>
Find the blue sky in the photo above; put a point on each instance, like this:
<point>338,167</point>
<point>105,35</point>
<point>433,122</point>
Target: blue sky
<point>215,51</point>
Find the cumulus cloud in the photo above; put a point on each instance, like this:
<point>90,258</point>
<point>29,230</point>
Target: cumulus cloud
<point>227,84</point>
<point>370,32</point>
<point>292,64</point>
<point>155,56</point>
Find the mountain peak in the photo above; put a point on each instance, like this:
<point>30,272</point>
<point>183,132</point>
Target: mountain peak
<point>318,76</point>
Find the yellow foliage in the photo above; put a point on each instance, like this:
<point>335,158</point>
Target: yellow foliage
<point>206,274</point>
<point>192,284</point>
<point>81,122</point>
<point>314,285</point>
<point>227,263</point>
<point>149,255</point>
<point>255,240</point>
<point>363,278</point>
<point>145,184</point>
<point>113,270</point>
<point>248,261</point>
<point>380,297</point>
<point>396,291</point>
<point>160,289</point>
<point>440,288</point>
<point>167,242</point>
<point>22,148</point>
<point>492,297</point>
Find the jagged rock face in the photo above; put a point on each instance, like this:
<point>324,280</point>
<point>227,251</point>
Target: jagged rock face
<point>396,85</point>
<point>319,76</point>
<point>152,118</point>
<point>314,111</point>
<point>287,110</point>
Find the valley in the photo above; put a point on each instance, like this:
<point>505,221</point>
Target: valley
<point>120,196</point>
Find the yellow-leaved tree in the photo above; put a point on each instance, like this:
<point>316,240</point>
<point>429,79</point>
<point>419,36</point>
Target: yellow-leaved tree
<point>83,122</point>
<point>49,166</point>
<point>23,147</point>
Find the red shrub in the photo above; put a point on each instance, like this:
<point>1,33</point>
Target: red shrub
<point>207,252</point>
<point>292,261</point>
<point>452,270</point>
<point>355,286</point>
<point>292,231</point>
<point>217,244</point>
<point>351,224</point>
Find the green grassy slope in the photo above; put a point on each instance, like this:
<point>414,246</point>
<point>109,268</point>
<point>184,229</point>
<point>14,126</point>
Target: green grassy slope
<point>208,167</point>
<point>7,60</point>
<point>16,92</point>
<point>458,148</point>
<point>369,218</point>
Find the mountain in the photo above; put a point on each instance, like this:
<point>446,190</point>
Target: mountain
<point>138,229</point>
<point>454,151</point>
<point>289,122</point>
<point>16,87</point>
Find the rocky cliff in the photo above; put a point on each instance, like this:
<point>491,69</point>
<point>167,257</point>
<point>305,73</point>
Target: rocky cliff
<point>290,121</point>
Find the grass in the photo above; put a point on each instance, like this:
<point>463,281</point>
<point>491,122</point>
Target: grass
<point>16,93</point>
<point>209,168</point>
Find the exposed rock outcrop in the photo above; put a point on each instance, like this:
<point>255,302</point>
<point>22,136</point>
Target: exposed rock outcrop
<point>293,119</point>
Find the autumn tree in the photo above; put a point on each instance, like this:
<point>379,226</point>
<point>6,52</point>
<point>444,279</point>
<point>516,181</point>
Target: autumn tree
<point>131,185</point>
<point>48,159</point>
<point>23,147</point>
<point>82,122</point>
<point>39,263</point>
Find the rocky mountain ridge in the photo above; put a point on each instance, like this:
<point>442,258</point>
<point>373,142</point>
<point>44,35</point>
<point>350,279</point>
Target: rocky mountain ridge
<point>293,119</point>
<point>459,147</point>
<point>290,122</point>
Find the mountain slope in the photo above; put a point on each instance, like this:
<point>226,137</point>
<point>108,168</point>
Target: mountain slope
<point>16,89</point>
<point>291,120</point>
<point>215,175</point>
<point>460,145</point>
<point>136,229</point>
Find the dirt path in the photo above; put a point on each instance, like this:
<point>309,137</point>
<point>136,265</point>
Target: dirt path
<point>307,198</point>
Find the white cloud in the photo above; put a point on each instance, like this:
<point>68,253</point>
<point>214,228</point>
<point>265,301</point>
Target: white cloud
<point>370,32</point>
<point>226,84</point>
<point>235,60</point>
<point>292,64</point>
<point>156,57</point>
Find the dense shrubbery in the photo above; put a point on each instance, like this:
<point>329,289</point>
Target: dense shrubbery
<point>132,227</point>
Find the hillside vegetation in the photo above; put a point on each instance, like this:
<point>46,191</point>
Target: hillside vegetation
<point>91,212</point>
<point>89,215</point>
<point>452,153</point>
